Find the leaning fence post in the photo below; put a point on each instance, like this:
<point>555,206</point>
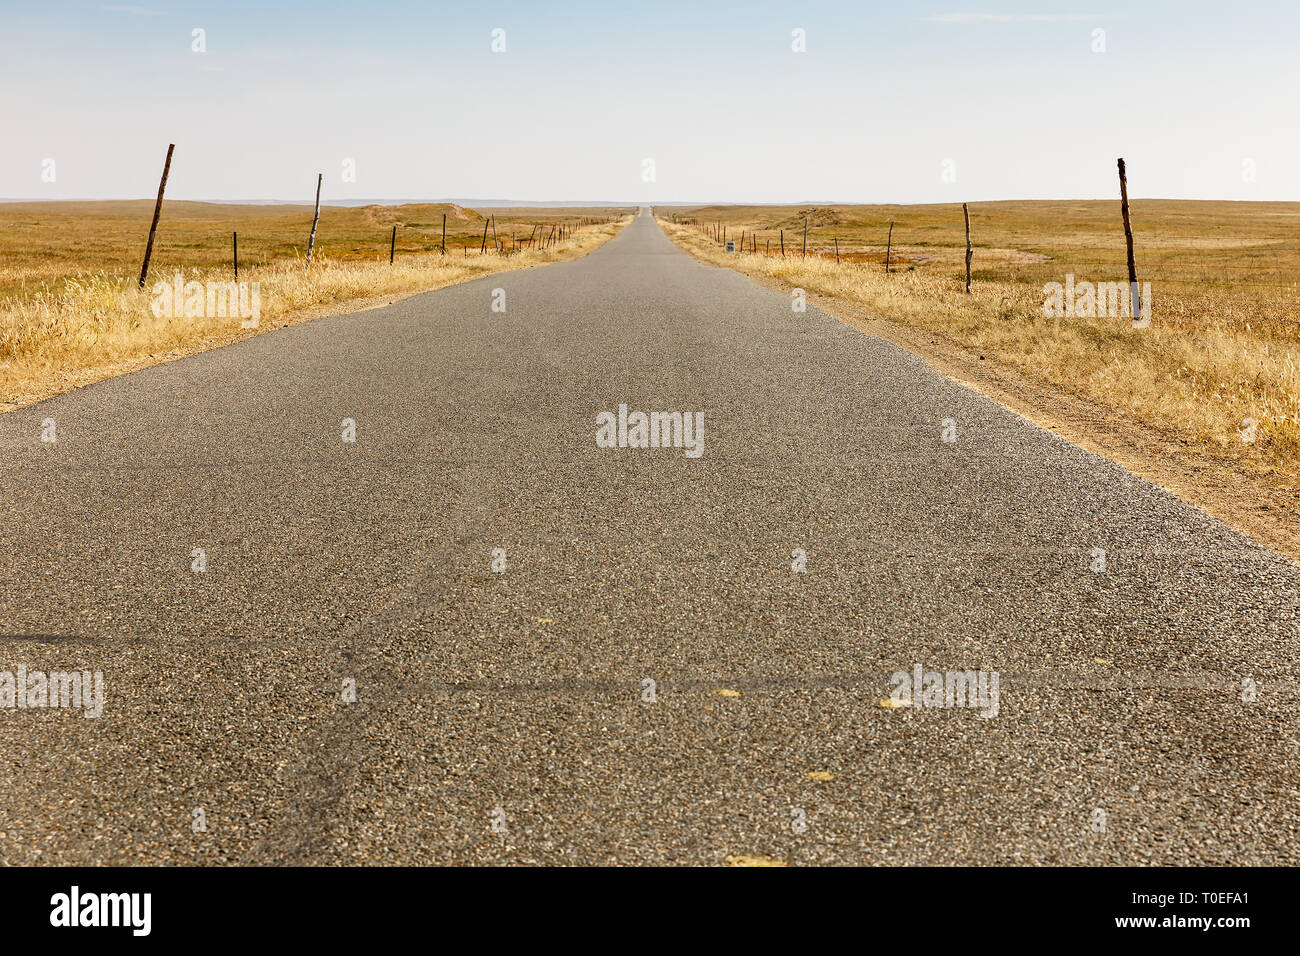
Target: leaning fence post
<point>157,211</point>
<point>311,240</point>
<point>392,246</point>
<point>1135,296</point>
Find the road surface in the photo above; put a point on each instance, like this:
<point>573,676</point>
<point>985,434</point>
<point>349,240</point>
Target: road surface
<point>506,717</point>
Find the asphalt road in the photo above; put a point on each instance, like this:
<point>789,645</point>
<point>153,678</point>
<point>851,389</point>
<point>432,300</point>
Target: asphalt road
<point>1121,733</point>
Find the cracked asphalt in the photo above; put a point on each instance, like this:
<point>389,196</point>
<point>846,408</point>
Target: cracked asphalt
<point>507,718</point>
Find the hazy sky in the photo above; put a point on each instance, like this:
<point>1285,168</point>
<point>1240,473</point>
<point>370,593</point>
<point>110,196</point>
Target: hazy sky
<point>1194,94</point>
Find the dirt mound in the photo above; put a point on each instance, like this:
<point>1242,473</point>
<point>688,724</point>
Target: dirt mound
<point>380,215</point>
<point>816,216</point>
<point>417,213</point>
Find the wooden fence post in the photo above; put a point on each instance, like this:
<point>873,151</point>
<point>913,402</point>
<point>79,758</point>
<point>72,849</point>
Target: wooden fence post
<point>483,248</point>
<point>235,241</point>
<point>966,212</point>
<point>157,211</point>
<point>444,233</point>
<point>837,250</point>
<point>311,240</point>
<point>805,238</point>
<point>1135,296</point>
<point>392,246</point>
<point>782,243</point>
<point>494,232</point>
<point>889,244</point>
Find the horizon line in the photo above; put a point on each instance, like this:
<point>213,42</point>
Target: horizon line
<point>572,203</point>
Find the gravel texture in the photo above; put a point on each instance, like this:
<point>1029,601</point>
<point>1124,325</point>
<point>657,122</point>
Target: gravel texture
<point>521,692</point>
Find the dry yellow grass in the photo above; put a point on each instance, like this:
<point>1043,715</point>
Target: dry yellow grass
<point>1203,368</point>
<point>64,334</point>
<point>46,244</point>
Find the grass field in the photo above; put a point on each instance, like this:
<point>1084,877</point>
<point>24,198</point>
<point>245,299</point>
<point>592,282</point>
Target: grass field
<point>1223,348</point>
<point>44,245</point>
<point>71,312</point>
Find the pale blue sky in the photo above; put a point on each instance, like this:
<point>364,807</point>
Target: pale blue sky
<point>1009,90</point>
